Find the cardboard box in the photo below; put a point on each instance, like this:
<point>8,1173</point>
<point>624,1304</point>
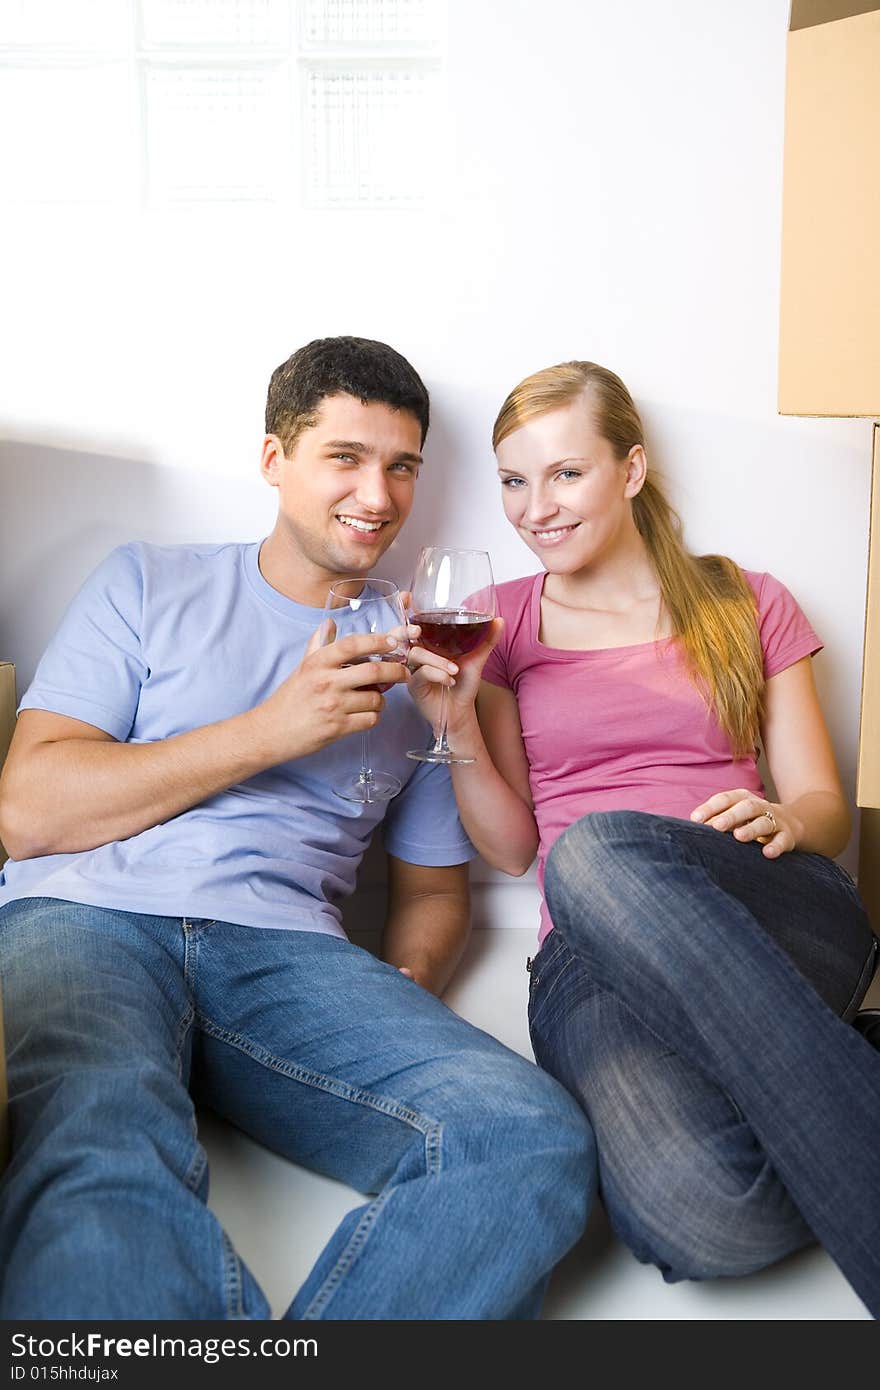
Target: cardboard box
<point>868,788</point>
<point>7,724</point>
<point>7,716</point>
<point>829,346</point>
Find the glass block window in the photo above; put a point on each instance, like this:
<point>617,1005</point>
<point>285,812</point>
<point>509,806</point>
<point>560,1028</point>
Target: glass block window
<point>73,133</point>
<point>239,23</point>
<point>214,133</point>
<point>367,135</point>
<point>370,21</point>
<point>328,102</point>
<point>51,24</point>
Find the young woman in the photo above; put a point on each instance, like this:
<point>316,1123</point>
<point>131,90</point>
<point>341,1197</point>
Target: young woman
<point>701,953</point>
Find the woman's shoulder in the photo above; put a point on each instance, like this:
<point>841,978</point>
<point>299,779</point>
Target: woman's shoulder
<point>516,594</point>
<point>785,630</point>
<point>726,575</point>
<point>768,590</point>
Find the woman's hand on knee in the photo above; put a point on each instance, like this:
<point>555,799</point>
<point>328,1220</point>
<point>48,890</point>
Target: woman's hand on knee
<point>749,817</point>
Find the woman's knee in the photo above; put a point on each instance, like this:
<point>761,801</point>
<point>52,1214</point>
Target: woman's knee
<point>594,840</point>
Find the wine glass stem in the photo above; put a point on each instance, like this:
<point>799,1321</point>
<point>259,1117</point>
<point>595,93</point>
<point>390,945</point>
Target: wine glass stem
<point>441,743</point>
<point>366,777</point>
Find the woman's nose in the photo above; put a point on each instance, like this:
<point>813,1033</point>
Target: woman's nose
<point>541,505</point>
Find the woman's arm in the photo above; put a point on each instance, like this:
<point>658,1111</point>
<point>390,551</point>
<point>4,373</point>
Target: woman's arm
<point>493,794</point>
<point>494,800</point>
<point>812,812</point>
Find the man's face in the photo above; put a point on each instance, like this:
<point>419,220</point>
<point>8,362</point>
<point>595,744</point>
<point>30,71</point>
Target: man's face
<point>346,486</point>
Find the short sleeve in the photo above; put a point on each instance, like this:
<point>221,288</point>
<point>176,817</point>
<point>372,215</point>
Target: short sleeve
<point>786,634</point>
<point>421,825</point>
<point>94,667</point>
<point>495,670</point>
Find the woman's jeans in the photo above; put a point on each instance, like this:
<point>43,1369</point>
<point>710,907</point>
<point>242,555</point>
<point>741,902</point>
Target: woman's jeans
<point>317,1050</point>
<point>693,998</point>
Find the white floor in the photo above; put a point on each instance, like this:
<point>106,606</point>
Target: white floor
<point>280,1216</point>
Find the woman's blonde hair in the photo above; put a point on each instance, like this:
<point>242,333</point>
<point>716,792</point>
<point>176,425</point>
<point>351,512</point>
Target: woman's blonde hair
<point>709,601</point>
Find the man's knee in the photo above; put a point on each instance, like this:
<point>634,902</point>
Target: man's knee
<point>517,1116</point>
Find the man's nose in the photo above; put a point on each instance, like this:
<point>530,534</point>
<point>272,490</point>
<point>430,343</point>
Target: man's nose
<point>372,490</point>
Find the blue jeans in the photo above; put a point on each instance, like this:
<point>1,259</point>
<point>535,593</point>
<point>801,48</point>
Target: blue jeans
<point>320,1052</point>
<point>693,998</point>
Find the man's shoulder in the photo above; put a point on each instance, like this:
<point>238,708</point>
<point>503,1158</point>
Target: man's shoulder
<point>195,552</point>
<point>175,562</point>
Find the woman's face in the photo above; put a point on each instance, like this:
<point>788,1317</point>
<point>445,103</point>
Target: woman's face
<point>564,490</point>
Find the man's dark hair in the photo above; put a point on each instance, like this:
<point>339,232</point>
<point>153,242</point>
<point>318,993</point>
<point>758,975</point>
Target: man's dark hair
<point>356,367</point>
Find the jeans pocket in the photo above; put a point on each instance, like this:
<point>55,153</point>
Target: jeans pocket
<point>545,982</point>
<point>547,952</point>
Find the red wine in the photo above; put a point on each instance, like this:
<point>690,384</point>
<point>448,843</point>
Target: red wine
<point>381,686</point>
<point>451,632</point>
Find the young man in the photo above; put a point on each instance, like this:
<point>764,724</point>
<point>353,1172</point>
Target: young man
<point>170,921</point>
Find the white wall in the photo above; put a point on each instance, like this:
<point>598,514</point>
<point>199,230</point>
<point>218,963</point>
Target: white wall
<point>608,186</point>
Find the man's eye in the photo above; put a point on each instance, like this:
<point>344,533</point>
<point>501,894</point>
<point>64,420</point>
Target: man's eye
<point>345,458</point>
<point>407,468</point>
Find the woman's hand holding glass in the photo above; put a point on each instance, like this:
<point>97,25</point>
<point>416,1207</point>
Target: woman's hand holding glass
<point>461,680</point>
<point>453,603</point>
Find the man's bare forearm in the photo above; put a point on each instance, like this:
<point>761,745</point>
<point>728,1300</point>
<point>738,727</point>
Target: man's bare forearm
<point>75,794</point>
<point>65,793</point>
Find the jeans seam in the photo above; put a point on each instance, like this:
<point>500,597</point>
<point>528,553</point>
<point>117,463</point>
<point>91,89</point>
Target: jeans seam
<point>196,1169</point>
<point>348,1257</point>
<point>232,1281</point>
<point>430,1128</point>
<point>190,954</point>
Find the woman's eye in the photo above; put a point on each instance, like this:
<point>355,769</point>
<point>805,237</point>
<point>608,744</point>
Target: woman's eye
<point>568,473</point>
<point>512,483</point>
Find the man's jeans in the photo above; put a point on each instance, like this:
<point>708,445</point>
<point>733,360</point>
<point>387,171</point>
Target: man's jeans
<point>481,1163</point>
<point>692,997</point>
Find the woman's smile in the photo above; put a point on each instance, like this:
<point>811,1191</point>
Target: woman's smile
<point>550,536</point>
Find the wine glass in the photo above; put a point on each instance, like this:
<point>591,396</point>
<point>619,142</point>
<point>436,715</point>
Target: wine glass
<point>360,606</point>
<point>453,602</point>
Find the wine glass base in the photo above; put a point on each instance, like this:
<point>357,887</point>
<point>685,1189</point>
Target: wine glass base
<point>431,755</point>
<point>381,786</point>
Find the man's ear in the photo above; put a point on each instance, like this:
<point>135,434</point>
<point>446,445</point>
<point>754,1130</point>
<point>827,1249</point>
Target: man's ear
<point>636,471</point>
<point>272,459</point>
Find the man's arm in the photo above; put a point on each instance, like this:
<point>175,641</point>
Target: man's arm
<point>428,920</point>
<point>68,786</point>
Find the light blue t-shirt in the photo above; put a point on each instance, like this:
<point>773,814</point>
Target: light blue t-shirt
<point>163,639</point>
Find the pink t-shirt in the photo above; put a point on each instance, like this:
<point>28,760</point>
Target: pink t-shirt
<point>625,728</point>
